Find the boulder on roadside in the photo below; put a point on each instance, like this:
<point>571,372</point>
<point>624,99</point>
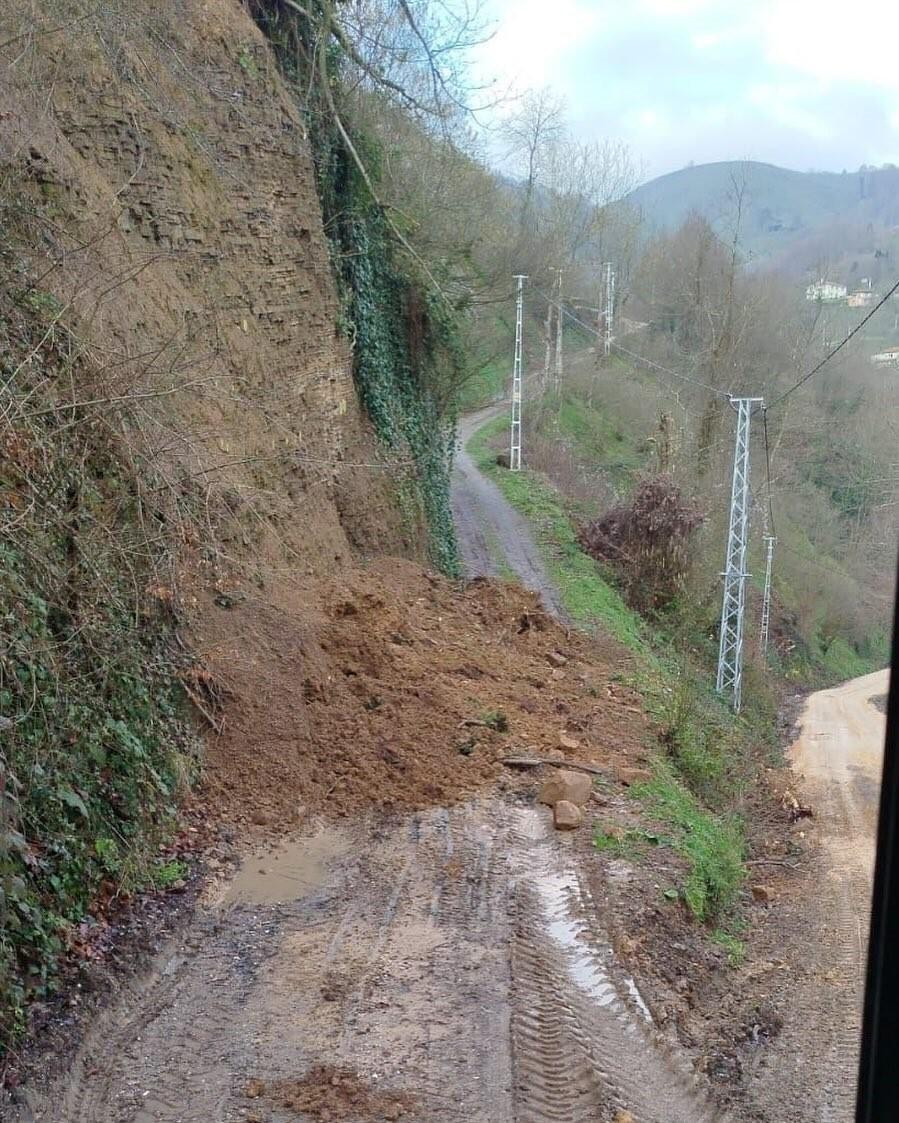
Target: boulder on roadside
<point>566,741</point>
<point>762,893</point>
<point>567,816</point>
<point>575,787</point>
<point>628,776</point>
<point>556,658</point>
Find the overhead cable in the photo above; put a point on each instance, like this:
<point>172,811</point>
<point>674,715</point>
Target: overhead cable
<point>633,355</point>
<point>839,347</point>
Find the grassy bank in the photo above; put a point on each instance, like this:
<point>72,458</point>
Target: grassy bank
<point>706,758</point>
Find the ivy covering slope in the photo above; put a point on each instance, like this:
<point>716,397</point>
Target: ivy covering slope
<point>407,355</point>
<point>93,754</point>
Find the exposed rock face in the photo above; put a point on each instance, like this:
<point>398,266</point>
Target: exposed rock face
<point>178,225</point>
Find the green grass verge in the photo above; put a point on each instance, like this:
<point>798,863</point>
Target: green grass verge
<point>712,844</point>
<point>597,438</point>
<point>706,745</point>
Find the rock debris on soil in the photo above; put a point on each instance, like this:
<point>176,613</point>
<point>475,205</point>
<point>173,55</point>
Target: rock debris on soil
<point>395,687</point>
<point>328,1092</point>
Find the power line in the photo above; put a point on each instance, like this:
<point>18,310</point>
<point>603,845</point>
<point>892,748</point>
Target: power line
<point>667,370</point>
<point>638,358</point>
<point>839,347</point>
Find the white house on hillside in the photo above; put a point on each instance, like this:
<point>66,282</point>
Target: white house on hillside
<point>888,358</point>
<point>827,291</point>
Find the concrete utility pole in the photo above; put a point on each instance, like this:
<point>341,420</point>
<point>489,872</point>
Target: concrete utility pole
<point>548,337</point>
<point>608,303</point>
<point>730,650</point>
<point>557,381</point>
<point>515,434</point>
<point>766,597</point>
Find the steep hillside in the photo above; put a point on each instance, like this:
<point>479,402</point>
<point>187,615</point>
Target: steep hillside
<point>166,200</point>
<point>780,206</point>
<point>180,434</point>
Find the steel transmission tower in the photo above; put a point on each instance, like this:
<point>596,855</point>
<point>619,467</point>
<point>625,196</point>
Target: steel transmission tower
<point>515,434</point>
<point>730,650</point>
<point>766,598</point>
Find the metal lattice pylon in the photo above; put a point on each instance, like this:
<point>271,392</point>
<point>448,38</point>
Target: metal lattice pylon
<point>730,650</point>
<point>766,597</point>
<point>515,432</point>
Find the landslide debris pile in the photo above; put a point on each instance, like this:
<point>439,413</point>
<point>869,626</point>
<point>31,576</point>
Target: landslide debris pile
<point>176,393</point>
<point>392,687</point>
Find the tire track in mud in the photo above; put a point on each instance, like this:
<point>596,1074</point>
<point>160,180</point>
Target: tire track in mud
<point>430,961</point>
<point>583,1044</point>
<point>193,1009</point>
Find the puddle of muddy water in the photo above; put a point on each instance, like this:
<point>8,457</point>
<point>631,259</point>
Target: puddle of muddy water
<point>559,893</point>
<point>585,963</point>
<point>288,872</point>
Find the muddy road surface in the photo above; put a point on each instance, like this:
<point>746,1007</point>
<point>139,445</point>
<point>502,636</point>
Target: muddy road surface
<point>809,1073</point>
<point>490,532</point>
<point>441,967</point>
<point>445,966</point>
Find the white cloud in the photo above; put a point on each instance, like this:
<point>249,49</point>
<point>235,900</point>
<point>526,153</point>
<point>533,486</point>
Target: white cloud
<point>649,119</point>
<point>833,41</point>
<point>677,8</point>
<point>794,81</point>
<point>787,104</point>
<point>529,48</point>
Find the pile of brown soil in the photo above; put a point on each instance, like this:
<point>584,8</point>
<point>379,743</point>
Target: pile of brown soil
<point>331,1093</point>
<point>392,687</point>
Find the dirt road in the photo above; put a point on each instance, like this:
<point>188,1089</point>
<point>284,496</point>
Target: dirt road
<point>451,960</point>
<point>490,532</point>
<point>452,966</point>
<point>444,966</point>
<point>808,1075</point>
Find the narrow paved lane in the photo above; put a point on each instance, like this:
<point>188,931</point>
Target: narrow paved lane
<point>491,532</point>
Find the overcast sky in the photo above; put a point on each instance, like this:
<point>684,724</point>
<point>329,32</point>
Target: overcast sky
<point>801,83</point>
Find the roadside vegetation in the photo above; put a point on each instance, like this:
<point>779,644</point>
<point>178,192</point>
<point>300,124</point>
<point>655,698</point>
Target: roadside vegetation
<point>708,759</point>
<point>96,754</point>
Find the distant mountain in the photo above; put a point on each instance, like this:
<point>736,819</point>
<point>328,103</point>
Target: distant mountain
<point>780,207</point>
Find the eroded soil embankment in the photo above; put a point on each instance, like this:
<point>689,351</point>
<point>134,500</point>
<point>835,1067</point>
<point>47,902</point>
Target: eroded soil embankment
<point>385,688</point>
